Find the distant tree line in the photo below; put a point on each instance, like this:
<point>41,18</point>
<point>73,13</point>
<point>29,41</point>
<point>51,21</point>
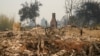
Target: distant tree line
<point>87,15</point>
<point>81,13</point>
<point>6,23</point>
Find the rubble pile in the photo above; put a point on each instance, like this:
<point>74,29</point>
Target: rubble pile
<point>46,42</point>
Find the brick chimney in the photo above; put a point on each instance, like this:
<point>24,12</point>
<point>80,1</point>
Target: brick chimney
<point>53,22</point>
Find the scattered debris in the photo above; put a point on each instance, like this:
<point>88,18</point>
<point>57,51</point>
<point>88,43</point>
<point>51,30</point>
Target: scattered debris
<point>55,43</point>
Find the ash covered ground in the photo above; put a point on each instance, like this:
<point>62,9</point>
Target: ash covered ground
<point>50,42</point>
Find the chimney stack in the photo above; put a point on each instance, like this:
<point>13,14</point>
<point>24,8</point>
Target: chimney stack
<point>53,22</point>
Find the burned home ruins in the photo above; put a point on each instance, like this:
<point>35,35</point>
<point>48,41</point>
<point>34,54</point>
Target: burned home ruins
<point>67,36</point>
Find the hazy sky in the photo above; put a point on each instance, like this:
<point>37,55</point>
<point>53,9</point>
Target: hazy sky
<point>11,8</point>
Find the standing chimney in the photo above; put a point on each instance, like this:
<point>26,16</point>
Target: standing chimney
<point>53,22</point>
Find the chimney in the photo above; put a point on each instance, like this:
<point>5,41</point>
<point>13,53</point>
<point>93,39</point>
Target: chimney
<point>53,22</point>
<point>53,15</point>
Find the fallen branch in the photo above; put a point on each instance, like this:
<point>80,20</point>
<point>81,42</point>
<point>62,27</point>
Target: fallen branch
<point>84,53</point>
<point>61,52</point>
<point>90,51</point>
<point>97,48</point>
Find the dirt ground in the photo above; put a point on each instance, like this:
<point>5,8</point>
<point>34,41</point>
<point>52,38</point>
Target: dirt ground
<point>50,42</point>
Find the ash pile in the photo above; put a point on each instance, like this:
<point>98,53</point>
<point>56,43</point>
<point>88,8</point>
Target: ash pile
<point>49,42</point>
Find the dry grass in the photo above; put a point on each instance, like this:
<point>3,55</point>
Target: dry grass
<point>92,33</point>
<point>86,32</point>
<point>16,26</point>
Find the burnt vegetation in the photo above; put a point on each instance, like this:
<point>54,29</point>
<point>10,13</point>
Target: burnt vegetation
<point>79,36</point>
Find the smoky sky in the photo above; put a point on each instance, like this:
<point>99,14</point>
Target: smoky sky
<point>11,8</point>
